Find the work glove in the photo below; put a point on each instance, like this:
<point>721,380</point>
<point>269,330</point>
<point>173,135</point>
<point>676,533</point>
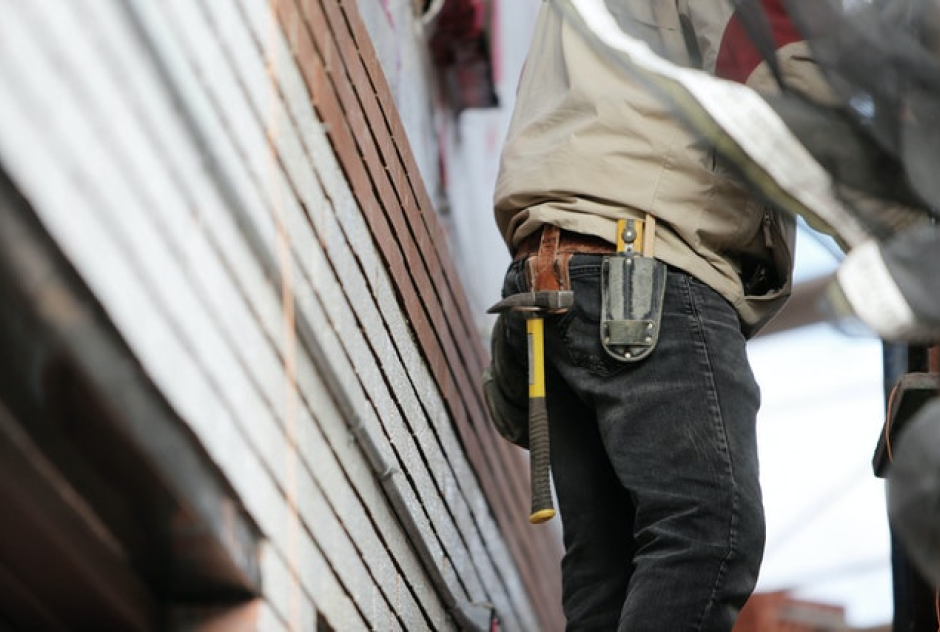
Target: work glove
<point>506,384</point>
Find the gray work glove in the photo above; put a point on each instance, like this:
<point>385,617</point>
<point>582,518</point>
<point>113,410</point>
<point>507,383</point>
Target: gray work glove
<point>506,386</point>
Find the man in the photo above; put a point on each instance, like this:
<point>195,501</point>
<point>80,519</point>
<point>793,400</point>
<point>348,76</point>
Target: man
<point>651,401</point>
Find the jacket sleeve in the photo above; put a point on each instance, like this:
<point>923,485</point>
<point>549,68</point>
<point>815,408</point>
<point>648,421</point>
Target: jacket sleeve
<point>729,52</point>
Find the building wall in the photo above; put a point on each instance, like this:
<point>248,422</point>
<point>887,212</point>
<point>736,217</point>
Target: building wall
<point>400,38</point>
<point>458,154</point>
<point>232,180</point>
<point>472,144</point>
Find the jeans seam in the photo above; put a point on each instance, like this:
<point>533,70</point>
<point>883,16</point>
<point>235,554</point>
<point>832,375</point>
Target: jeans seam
<point>702,344</point>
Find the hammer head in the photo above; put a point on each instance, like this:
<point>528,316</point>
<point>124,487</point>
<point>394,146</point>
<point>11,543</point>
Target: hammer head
<point>545,301</point>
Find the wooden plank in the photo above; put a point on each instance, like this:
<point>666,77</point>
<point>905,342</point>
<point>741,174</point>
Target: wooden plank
<point>359,34</point>
<point>354,292</point>
<point>231,101</point>
<point>190,16</point>
<point>410,240</point>
<point>465,386</point>
<point>390,242</point>
<point>104,164</point>
<point>547,557</point>
<point>449,388</point>
<point>200,257</point>
<point>288,162</point>
<point>375,95</point>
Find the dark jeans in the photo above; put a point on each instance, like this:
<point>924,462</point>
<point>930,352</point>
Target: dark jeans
<point>654,463</point>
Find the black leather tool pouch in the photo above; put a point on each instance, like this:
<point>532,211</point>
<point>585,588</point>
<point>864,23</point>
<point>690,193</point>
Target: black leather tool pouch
<point>632,294</point>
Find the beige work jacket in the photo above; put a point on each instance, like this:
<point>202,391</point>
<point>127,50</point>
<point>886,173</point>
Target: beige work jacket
<point>588,145</point>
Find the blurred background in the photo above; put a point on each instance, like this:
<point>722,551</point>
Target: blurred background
<point>821,415</point>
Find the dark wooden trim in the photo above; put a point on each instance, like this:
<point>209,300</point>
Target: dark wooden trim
<point>59,567</point>
<point>351,96</point>
<point>96,468</point>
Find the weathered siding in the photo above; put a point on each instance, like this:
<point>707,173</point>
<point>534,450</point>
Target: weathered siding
<point>400,41</point>
<point>231,180</point>
<point>471,146</point>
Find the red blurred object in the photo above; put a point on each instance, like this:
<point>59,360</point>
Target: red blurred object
<point>460,48</point>
<point>781,612</point>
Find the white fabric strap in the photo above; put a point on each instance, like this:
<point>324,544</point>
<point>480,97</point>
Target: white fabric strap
<point>873,294</point>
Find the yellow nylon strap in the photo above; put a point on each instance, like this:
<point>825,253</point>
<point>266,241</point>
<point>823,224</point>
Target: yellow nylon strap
<point>638,243</point>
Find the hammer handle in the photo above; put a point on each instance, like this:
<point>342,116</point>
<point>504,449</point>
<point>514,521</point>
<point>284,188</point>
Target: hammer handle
<point>539,447</point>
<point>539,462</point>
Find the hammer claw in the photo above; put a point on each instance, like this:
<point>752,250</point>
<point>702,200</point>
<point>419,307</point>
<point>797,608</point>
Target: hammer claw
<point>546,301</point>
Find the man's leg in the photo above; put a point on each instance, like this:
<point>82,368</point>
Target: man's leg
<point>679,431</point>
<point>596,514</point>
<point>594,508</point>
<point>700,528</point>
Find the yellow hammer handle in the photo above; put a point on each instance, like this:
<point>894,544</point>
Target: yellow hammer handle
<point>539,445</point>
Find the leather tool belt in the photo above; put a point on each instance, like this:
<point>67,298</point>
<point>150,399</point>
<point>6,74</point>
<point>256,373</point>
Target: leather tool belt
<point>548,251</point>
<point>563,241</point>
<point>633,283</point>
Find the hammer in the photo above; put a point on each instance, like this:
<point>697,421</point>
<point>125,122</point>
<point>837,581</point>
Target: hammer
<point>534,305</point>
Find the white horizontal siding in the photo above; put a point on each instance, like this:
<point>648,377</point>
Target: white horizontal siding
<point>200,200</point>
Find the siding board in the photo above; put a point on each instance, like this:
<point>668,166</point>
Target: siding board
<point>459,386</point>
<point>237,192</point>
<point>217,72</point>
<point>74,133</point>
<point>394,370</point>
<point>122,200</point>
